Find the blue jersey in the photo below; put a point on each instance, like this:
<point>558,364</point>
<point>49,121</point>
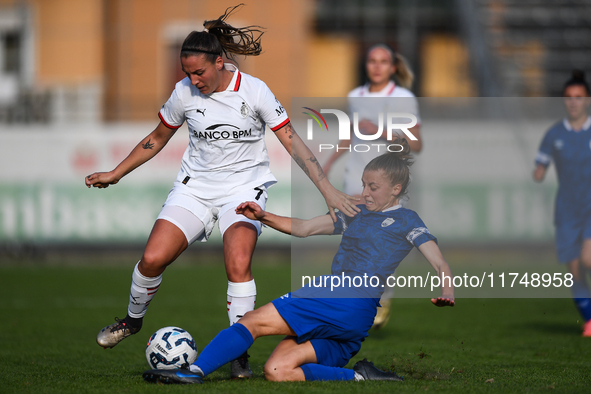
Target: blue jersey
<point>374,243</point>
<point>571,153</point>
<point>336,321</point>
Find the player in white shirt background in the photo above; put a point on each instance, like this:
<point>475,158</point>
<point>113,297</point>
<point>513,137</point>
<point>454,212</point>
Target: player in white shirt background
<point>382,65</point>
<point>225,164</point>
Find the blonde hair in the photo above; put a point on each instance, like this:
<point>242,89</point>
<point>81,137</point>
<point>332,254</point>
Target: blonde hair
<point>396,165</point>
<point>404,75</point>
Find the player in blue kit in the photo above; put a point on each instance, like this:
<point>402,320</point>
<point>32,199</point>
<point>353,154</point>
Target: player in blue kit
<point>568,144</point>
<point>325,326</point>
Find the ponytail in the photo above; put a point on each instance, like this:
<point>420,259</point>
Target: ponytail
<point>403,73</point>
<point>219,38</point>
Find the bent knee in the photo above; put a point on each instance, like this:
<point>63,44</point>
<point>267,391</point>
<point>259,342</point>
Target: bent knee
<point>276,372</point>
<point>238,267</point>
<point>154,261</point>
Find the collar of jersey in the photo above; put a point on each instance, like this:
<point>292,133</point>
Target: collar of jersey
<point>395,207</point>
<point>386,91</point>
<point>234,84</point>
<point>586,125</point>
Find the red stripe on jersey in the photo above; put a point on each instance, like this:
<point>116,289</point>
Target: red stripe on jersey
<point>153,288</point>
<point>391,90</point>
<point>238,79</point>
<point>286,121</point>
<point>154,292</point>
<point>166,124</point>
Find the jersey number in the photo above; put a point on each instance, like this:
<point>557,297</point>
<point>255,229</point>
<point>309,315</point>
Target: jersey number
<point>259,193</point>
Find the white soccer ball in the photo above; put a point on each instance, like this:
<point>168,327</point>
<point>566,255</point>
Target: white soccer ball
<point>170,348</point>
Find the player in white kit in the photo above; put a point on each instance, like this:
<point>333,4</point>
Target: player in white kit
<point>379,95</point>
<point>225,164</point>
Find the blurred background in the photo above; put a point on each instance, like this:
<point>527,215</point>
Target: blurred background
<point>81,82</point>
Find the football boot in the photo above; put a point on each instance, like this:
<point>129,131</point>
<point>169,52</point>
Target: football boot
<point>111,335</point>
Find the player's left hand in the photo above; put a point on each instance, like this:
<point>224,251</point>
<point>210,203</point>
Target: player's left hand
<point>251,210</point>
<point>441,301</point>
<point>336,199</point>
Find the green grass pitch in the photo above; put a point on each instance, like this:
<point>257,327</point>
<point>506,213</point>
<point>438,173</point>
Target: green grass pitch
<point>51,313</point>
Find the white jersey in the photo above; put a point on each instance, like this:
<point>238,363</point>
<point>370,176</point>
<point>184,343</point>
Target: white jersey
<point>404,102</point>
<point>226,152</point>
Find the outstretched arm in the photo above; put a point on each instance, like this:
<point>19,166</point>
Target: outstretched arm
<point>309,164</point>
<point>143,152</point>
<point>296,227</point>
<point>433,255</point>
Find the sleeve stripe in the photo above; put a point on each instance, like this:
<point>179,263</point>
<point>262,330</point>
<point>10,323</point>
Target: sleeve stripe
<point>543,158</point>
<point>286,121</point>
<point>415,233</point>
<point>166,124</point>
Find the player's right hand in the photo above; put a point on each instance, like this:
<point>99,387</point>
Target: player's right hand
<point>100,180</point>
<point>251,210</point>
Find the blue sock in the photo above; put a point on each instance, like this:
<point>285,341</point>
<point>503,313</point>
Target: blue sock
<point>225,347</point>
<point>322,372</point>
<point>582,299</point>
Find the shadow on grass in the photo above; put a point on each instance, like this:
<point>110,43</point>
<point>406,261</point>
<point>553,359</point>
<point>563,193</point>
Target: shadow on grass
<point>417,367</point>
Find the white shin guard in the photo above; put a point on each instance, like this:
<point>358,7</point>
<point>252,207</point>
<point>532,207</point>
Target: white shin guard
<point>241,299</point>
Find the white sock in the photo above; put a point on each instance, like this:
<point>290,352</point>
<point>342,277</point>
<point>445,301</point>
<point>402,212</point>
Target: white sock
<point>142,291</point>
<point>241,299</point>
<point>358,377</point>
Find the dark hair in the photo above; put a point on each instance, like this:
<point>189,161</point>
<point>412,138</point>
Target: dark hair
<point>577,79</point>
<point>396,165</point>
<point>403,73</point>
<point>221,38</point>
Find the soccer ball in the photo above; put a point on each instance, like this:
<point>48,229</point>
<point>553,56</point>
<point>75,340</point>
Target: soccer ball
<point>170,348</point>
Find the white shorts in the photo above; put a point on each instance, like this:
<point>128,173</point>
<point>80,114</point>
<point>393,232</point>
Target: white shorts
<point>197,216</point>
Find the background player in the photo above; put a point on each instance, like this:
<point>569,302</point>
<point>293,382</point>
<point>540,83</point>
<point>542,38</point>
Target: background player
<point>324,332</point>
<point>224,164</point>
<point>382,64</point>
<point>568,144</point>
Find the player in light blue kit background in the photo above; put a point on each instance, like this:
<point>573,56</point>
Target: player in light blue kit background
<point>568,145</point>
<point>325,327</point>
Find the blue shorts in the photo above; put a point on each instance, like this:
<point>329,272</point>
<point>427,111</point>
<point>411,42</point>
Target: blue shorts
<point>570,236</point>
<point>335,326</point>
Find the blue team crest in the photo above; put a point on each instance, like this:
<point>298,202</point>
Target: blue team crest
<point>387,222</point>
<point>558,144</point>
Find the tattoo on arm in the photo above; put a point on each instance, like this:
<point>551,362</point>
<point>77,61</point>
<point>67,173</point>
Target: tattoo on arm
<point>302,164</point>
<point>321,174</point>
<point>148,145</point>
<point>289,130</point>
